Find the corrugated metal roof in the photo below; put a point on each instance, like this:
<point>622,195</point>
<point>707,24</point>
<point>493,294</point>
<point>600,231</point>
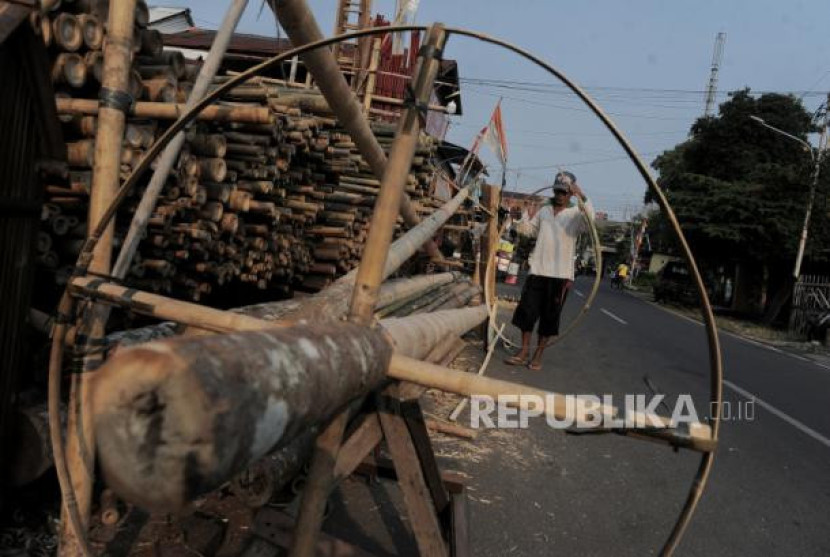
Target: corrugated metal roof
<point>167,19</point>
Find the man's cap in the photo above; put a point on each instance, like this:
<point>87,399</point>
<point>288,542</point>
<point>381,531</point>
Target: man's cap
<point>560,182</point>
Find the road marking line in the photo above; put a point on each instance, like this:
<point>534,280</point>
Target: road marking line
<point>612,316</point>
<point>738,337</point>
<point>578,293</point>
<point>776,412</point>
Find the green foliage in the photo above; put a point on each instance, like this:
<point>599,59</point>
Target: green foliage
<point>738,189</point>
<point>644,281</point>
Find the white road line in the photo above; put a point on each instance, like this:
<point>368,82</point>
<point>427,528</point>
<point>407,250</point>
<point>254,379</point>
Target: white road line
<point>579,293</point>
<point>776,412</point>
<point>739,337</point>
<point>612,316</point>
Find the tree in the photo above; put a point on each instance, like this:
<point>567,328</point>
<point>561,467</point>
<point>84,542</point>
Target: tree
<point>740,190</point>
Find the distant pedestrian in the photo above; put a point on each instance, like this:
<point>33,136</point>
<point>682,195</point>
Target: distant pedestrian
<point>556,227</point>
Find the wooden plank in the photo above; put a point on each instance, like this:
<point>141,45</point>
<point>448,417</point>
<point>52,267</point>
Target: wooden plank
<point>414,417</point>
<point>460,527</point>
<point>365,438</point>
<point>416,494</point>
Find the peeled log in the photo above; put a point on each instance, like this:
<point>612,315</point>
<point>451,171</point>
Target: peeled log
<point>177,418</point>
<point>415,336</point>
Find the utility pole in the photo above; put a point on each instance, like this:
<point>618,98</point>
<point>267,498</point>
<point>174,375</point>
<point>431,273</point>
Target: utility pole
<point>636,244</point>
<point>822,144</point>
<point>712,87</point>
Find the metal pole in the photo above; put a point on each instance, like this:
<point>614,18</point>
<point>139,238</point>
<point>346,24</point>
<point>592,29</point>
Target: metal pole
<point>171,152</point>
<point>80,447</point>
<point>802,243</point>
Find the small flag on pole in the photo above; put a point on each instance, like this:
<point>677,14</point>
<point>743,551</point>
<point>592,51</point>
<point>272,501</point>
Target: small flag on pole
<point>493,135</point>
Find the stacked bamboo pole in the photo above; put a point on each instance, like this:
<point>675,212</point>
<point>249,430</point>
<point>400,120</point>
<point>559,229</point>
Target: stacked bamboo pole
<point>269,194</point>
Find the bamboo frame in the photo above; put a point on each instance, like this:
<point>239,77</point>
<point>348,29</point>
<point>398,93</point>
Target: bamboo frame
<point>80,445</point>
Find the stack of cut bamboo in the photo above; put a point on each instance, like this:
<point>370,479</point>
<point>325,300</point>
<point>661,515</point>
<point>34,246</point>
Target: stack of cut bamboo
<point>269,191</point>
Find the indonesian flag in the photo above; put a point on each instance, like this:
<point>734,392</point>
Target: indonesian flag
<point>493,136</point>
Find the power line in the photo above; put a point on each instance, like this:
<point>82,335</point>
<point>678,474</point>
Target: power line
<point>576,109</point>
<point>572,134</point>
<point>579,163</point>
<point>696,92</point>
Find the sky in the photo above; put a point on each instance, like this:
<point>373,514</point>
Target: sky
<point>646,62</point>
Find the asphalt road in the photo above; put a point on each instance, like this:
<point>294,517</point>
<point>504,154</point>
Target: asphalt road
<point>541,492</point>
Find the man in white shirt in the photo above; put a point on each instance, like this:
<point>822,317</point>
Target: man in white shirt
<point>556,227</point>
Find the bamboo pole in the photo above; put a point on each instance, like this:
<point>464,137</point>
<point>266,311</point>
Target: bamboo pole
<point>405,247</point>
<point>371,271</point>
<point>555,405</point>
<point>172,111</point>
<point>161,307</point>
<point>168,158</point>
<point>372,75</point>
<point>80,449</point>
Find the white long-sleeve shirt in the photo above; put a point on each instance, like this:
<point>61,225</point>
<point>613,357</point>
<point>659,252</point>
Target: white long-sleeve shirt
<point>556,237</point>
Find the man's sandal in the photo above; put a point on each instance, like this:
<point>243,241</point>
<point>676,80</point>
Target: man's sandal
<point>534,367</point>
<point>515,361</point>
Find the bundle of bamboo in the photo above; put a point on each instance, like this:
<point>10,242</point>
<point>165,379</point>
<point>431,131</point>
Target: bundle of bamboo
<point>269,191</point>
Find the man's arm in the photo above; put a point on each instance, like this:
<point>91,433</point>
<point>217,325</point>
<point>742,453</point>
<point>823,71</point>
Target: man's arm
<point>581,225</point>
<point>528,225</point>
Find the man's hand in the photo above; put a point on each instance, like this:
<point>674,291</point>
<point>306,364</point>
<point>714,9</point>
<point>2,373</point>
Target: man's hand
<point>576,190</point>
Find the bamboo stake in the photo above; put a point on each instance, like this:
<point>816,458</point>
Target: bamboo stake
<point>371,271</point>
<point>80,449</point>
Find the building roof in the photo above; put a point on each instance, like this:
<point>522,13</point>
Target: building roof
<point>241,43</point>
<point>170,19</point>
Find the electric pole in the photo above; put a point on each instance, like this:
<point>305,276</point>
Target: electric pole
<point>822,144</point>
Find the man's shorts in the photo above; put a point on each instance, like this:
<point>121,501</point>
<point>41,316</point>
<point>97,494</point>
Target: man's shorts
<point>542,300</point>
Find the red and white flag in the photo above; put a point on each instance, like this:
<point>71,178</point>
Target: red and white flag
<point>493,135</point>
